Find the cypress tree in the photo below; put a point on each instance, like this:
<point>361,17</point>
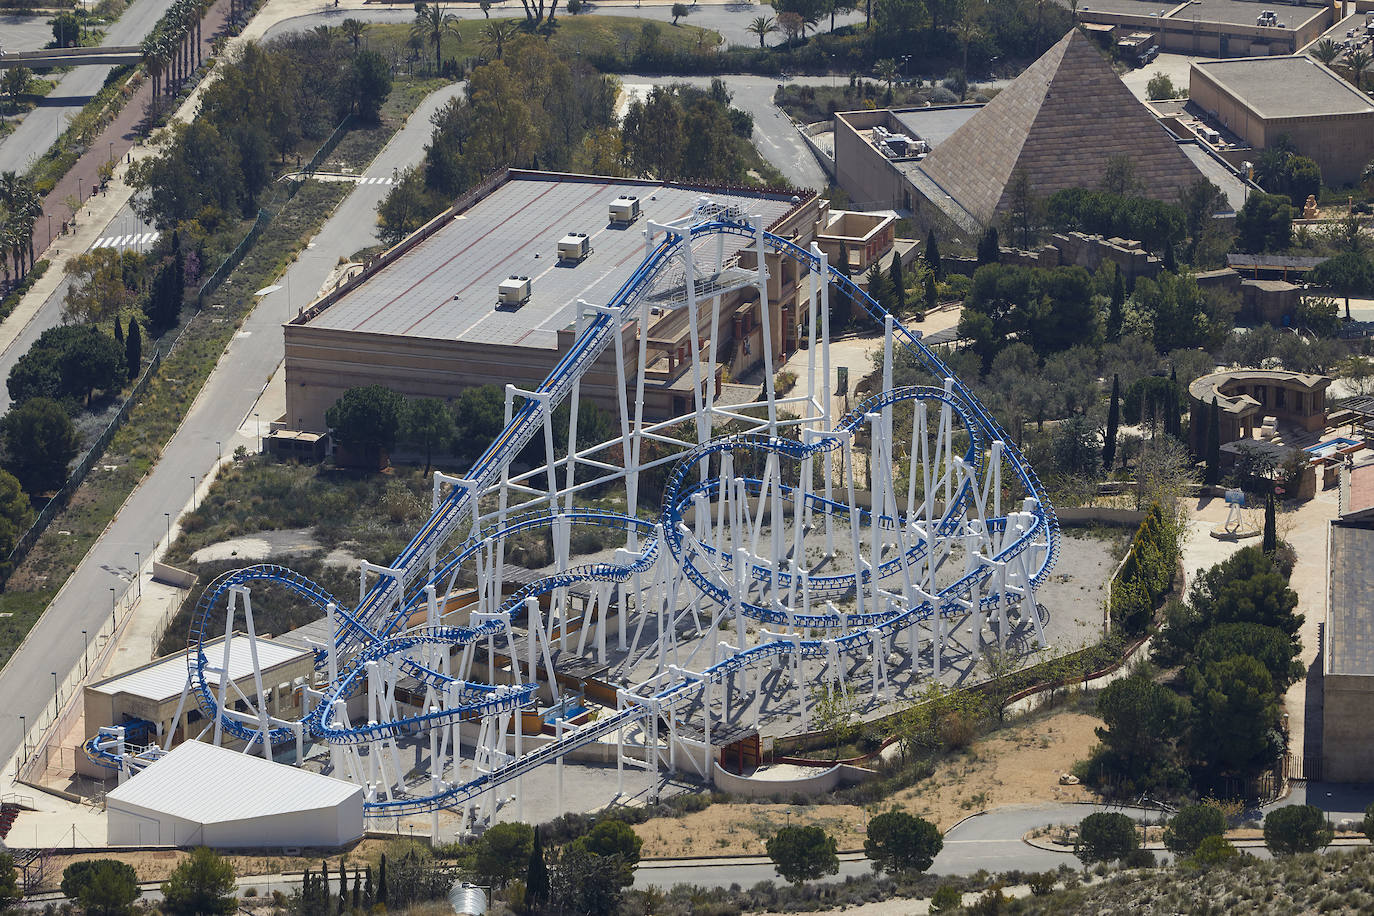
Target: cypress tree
<point>898,285</point>
<point>367,890</point>
<point>932,295</point>
<point>357,889</point>
<point>878,285</point>
<point>343,885</point>
<point>933,255</point>
<point>133,350</point>
<point>324,884</point>
<point>1113,422</point>
<point>537,876</point>
<point>989,247</point>
<point>179,272</point>
<point>1170,262</point>
<point>1271,534</point>
<point>381,882</point>
<point>1115,314</point>
<point>1213,456</point>
<point>841,305</point>
<point>118,331</point>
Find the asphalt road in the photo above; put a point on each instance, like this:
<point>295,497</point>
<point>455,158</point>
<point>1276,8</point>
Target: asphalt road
<point>41,127</point>
<point>226,400</point>
<point>730,19</point>
<point>774,135</point>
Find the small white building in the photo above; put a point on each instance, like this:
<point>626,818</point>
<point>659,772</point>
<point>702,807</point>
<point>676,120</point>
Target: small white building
<point>202,795</point>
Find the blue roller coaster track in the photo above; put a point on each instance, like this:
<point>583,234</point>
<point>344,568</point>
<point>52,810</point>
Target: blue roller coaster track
<point>374,630</point>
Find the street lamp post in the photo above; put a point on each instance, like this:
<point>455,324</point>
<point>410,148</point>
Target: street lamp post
<point>80,192</point>
<point>24,740</point>
<point>259,422</point>
<point>193,492</point>
<point>138,572</point>
<point>168,516</point>
<point>220,445</point>
<point>49,228</point>
<point>85,654</point>
<point>114,611</point>
<point>55,694</point>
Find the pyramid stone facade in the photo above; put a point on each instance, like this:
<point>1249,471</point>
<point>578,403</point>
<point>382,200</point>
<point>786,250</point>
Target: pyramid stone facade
<point>1062,121</point>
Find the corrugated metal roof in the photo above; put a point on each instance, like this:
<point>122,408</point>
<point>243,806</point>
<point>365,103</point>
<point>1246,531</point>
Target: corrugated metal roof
<point>445,287</point>
<point>163,679</point>
<point>205,784</point>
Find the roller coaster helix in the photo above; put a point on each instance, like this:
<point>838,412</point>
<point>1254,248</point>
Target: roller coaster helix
<point>766,533</point>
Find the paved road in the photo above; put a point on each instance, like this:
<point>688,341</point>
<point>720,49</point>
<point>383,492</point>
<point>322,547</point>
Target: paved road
<point>730,19</point>
<point>41,127</point>
<point>216,416</point>
<point>989,841</point>
<point>125,226</point>
<point>774,135</point>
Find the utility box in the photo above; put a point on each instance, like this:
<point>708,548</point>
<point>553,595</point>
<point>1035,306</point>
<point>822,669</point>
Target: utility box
<point>575,246</point>
<point>513,291</point>
<point>624,210</point>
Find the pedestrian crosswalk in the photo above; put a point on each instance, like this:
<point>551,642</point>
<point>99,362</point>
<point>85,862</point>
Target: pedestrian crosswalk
<point>131,240</point>
<point>375,179</point>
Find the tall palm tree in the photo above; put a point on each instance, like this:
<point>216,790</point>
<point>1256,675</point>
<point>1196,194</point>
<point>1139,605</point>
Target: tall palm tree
<point>496,34</point>
<point>761,26</point>
<point>886,69</point>
<point>1326,51</point>
<point>353,30</point>
<point>431,24</point>
<point>1357,62</point>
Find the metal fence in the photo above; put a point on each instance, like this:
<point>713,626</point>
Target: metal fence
<point>265,216</point>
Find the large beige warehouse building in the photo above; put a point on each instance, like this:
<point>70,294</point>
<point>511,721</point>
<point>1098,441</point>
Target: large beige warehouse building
<point>424,320</point>
<point>1260,99</point>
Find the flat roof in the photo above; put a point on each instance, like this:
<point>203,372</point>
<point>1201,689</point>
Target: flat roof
<point>445,287</point>
<point>163,679</point>
<point>1290,86</point>
<point>1352,601</point>
<point>1231,12</point>
<point>204,784</point>
<point>935,124</point>
<point>1356,494</point>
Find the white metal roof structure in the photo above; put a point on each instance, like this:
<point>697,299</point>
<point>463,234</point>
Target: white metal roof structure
<point>163,679</point>
<point>202,795</point>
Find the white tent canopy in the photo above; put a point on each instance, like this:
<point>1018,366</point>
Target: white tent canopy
<point>202,795</point>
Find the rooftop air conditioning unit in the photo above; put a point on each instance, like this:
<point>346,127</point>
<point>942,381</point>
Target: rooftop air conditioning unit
<point>575,246</point>
<point>624,210</point>
<point>513,291</point>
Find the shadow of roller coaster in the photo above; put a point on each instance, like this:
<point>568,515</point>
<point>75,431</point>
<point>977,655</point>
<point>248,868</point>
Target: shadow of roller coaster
<point>375,633</point>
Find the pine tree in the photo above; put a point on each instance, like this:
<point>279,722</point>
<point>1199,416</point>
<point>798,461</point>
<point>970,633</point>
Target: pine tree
<point>898,285</point>
<point>1113,422</point>
<point>933,255</point>
<point>1271,534</point>
<point>133,349</point>
<point>1115,314</point>
<point>118,331</point>
<point>1213,447</point>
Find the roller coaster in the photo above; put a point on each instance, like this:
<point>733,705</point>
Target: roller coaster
<point>762,535</point>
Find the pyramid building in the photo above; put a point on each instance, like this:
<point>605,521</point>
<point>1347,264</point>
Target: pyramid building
<point>1062,121</point>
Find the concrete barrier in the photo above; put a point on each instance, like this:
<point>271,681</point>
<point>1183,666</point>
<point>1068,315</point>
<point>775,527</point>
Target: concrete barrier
<point>173,576</point>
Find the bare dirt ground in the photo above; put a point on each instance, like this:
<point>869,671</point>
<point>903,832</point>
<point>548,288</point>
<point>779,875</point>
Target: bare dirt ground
<point>1017,765</point>
<point>157,865</point>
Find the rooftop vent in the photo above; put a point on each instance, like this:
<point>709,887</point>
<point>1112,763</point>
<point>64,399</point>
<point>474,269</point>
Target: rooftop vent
<point>574,247</point>
<point>624,210</point>
<point>513,290</point>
